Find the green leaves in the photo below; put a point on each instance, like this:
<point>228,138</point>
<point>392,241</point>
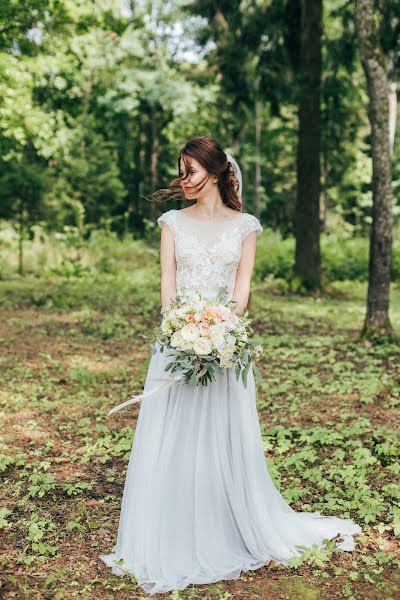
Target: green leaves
<point>313,555</point>
<point>196,370</point>
<point>75,489</point>
<point>41,484</point>
<point>257,373</point>
<point>4,513</point>
<point>246,370</point>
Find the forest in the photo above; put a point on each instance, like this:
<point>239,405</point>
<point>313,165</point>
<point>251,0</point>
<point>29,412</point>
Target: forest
<point>97,98</point>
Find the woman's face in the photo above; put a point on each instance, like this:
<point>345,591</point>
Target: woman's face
<point>196,178</point>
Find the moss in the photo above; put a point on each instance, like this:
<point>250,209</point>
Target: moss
<point>296,587</point>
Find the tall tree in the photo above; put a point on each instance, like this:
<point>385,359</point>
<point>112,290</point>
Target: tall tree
<point>23,186</point>
<point>390,40</point>
<point>307,225</point>
<point>374,64</point>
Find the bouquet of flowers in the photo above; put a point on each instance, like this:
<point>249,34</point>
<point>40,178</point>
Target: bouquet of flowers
<point>204,336</point>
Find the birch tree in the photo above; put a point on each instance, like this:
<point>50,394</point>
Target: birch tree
<point>377,321</point>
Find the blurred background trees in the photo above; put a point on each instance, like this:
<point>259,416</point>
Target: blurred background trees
<point>98,97</point>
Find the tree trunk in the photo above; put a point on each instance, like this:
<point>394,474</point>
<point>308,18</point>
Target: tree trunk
<point>85,112</point>
<point>154,156</point>
<point>21,240</point>
<point>307,265</point>
<point>237,146</point>
<point>324,203</point>
<point>257,175</point>
<point>373,61</point>
<point>143,166</point>
<point>134,208</point>
<point>392,91</point>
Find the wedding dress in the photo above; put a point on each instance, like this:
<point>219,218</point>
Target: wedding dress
<point>199,504</point>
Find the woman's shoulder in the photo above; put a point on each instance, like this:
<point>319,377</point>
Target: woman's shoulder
<point>168,218</point>
<point>171,211</point>
<point>168,214</point>
<point>250,223</point>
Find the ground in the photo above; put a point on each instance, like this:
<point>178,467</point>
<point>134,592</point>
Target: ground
<point>328,408</point>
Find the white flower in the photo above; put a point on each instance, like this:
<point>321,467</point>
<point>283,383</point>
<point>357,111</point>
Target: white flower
<point>225,358</point>
<point>202,346</point>
<point>226,351</point>
<point>216,335</point>
<point>224,311</point>
<point>185,345</point>
<point>225,363</point>
<point>182,311</point>
<point>217,341</point>
<point>258,350</point>
<point>171,315</point>
<point>230,349</point>
<point>176,339</point>
<point>190,332</point>
<point>217,329</point>
<point>166,327</point>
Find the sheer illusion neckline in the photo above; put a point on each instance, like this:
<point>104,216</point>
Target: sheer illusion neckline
<point>210,222</point>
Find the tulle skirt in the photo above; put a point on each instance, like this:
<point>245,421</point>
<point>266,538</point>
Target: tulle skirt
<point>199,504</point>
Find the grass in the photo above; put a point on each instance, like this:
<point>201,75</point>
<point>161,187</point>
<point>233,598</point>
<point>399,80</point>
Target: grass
<point>328,408</point>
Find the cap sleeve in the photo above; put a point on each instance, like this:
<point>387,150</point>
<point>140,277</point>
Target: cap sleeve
<point>251,223</point>
<point>168,218</point>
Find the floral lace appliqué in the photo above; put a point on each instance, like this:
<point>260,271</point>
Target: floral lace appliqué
<point>208,265</point>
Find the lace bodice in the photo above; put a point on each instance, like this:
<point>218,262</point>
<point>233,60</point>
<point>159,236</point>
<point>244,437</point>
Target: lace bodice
<point>208,254</point>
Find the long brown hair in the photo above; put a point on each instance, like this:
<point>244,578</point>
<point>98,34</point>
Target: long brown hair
<point>211,156</point>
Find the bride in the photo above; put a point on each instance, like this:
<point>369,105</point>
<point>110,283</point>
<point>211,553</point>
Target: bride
<point>199,505</point>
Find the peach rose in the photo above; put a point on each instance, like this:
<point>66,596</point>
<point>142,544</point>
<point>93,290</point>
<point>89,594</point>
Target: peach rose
<point>204,329</point>
<point>210,315</point>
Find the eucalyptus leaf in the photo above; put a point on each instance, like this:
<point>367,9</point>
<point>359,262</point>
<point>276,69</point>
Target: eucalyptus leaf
<point>193,380</point>
<point>257,373</point>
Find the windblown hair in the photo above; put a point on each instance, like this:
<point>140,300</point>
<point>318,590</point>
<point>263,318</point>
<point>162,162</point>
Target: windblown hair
<point>211,156</point>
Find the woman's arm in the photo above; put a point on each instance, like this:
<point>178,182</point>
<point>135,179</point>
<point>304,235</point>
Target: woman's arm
<point>242,289</point>
<point>167,266</point>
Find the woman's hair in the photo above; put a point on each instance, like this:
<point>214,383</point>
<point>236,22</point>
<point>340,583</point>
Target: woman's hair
<point>212,157</point>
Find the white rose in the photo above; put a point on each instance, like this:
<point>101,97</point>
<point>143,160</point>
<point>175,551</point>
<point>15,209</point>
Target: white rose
<point>176,339</point>
<point>217,340</point>
<point>190,332</point>
<point>185,346</point>
<point>217,329</point>
<point>202,346</point>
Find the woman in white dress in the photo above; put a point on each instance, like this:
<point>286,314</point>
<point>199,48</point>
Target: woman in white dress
<point>199,505</point>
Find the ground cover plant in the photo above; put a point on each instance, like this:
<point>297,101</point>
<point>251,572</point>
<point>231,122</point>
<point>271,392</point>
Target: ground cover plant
<point>72,348</point>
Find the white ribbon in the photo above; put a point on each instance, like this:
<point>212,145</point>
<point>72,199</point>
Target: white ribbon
<point>134,399</point>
